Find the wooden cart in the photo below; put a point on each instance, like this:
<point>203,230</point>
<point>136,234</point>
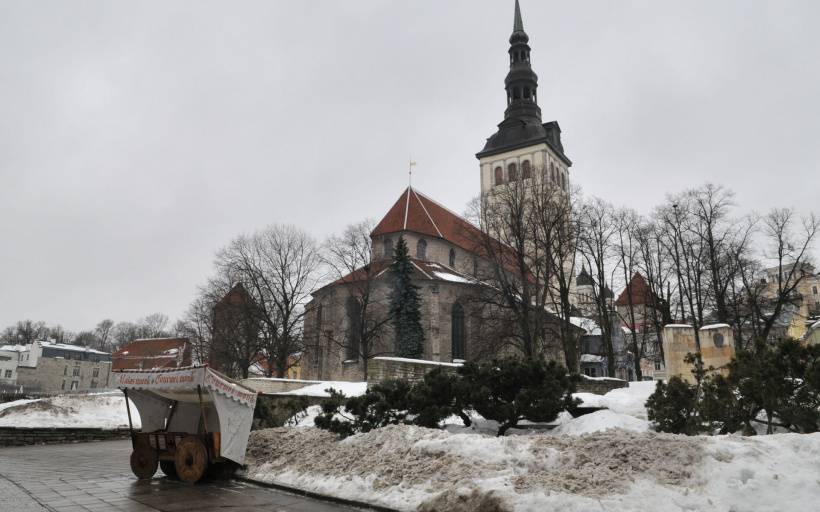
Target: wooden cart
<point>193,419</point>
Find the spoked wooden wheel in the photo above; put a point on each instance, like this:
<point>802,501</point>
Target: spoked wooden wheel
<point>168,467</point>
<point>191,459</point>
<point>144,462</point>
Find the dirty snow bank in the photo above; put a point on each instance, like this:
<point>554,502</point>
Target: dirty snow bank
<point>404,466</point>
<point>102,410</point>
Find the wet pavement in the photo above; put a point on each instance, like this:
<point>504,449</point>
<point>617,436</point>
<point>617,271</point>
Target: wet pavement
<point>97,477</point>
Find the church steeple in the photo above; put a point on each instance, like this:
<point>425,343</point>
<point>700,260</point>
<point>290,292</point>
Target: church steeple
<point>521,82</point>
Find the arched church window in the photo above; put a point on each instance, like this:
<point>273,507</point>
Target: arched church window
<point>563,181</point>
<point>452,258</point>
<point>421,249</point>
<point>499,176</point>
<point>353,329</point>
<point>387,247</point>
<point>526,171</point>
<point>457,331</point>
<point>512,172</point>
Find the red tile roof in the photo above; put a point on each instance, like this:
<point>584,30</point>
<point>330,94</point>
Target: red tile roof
<point>152,353</point>
<point>641,294</point>
<point>414,211</point>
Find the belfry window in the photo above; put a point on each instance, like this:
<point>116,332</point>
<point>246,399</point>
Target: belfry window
<point>526,171</point>
<point>452,258</point>
<point>526,93</point>
<point>516,93</point>
<point>421,249</point>
<point>512,172</point>
<point>499,176</point>
<point>457,331</point>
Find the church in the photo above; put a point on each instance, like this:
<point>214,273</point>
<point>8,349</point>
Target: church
<point>346,321</point>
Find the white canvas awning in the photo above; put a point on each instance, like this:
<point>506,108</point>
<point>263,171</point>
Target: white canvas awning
<point>228,406</point>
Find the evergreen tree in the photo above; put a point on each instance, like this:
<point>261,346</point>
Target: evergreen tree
<point>405,305</point>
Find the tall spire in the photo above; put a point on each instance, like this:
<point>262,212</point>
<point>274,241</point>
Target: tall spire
<point>518,25</point>
<point>521,82</point>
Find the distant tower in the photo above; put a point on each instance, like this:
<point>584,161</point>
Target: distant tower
<point>523,145</point>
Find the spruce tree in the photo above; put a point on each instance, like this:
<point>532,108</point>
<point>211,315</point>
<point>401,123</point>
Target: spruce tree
<point>405,305</point>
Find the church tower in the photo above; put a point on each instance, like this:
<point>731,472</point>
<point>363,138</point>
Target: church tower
<point>523,145</point>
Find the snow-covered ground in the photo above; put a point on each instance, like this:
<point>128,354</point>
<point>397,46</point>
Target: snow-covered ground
<point>100,410</point>
<point>605,461</point>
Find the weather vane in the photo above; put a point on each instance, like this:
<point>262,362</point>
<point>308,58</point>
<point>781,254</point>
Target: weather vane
<point>410,172</point>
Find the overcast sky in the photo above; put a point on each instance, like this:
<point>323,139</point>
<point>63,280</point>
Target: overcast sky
<point>136,138</point>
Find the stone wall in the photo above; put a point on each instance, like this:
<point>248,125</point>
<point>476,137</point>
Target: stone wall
<point>717,347</point>
<point>13,436</point>
<point>599,385</point>
<point>384,368</point>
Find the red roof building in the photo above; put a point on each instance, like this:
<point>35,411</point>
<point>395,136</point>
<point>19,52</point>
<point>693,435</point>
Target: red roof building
<point>145,354</point>
<point>641,294</point>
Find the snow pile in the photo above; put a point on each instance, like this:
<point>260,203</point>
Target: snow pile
<point>320,389</point>
<point>630,400</point>
<point>413,468</point>
<point>599,421</point>
<point>102,410</point>
<point>403,466</point>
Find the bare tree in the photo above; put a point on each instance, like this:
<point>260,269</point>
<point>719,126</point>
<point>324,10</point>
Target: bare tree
<point>278,268</point>
<point>103,331</point>
<point>529,247</point>
<point>349,259</point>
<point>789,240</point>
<point>597,230</point>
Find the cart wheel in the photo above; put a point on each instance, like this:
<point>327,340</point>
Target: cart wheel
<point>144,462</point>
<point>191,459</point>
<point>168,467</point>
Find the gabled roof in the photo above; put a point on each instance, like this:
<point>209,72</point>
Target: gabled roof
<point>423,269</point>
<point>641,294</point>
<point>153,353</point>
<point>415,212</point>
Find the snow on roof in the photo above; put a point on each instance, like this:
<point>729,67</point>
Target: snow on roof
<point>421,361</point>
<point>589,325</point>
<point>591,358</point>
<point>75,348</point>
<point>14,348</point>
<point>679,326</point>
<point>714,326</point>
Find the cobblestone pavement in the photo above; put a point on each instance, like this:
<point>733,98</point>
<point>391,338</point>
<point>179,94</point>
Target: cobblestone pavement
<point>97,477</point>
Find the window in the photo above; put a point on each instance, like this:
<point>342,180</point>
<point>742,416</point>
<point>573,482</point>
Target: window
<point>421,249</point>
<point>63,386</point>
<point>95,373</point>
<point>512,172</point>
<point>552,172</point>
<point>452,258</point>
<point>65,370</point>
<point>457,329</point>
<point>353,329</point>
<point>563,181</point>
<point>8,374</point>
<point>76,372</point>
<point>387,247</point>
<point>74,385</point>
<point>93,384</point>
<point>657,366</point>
<point>499,176</point>
<point>526,171</point>
<point>814,290</point>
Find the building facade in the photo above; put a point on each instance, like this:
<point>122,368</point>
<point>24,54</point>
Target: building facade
<point>59,367</point>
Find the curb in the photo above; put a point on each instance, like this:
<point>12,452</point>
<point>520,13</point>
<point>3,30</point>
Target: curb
<point>316,495</point>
